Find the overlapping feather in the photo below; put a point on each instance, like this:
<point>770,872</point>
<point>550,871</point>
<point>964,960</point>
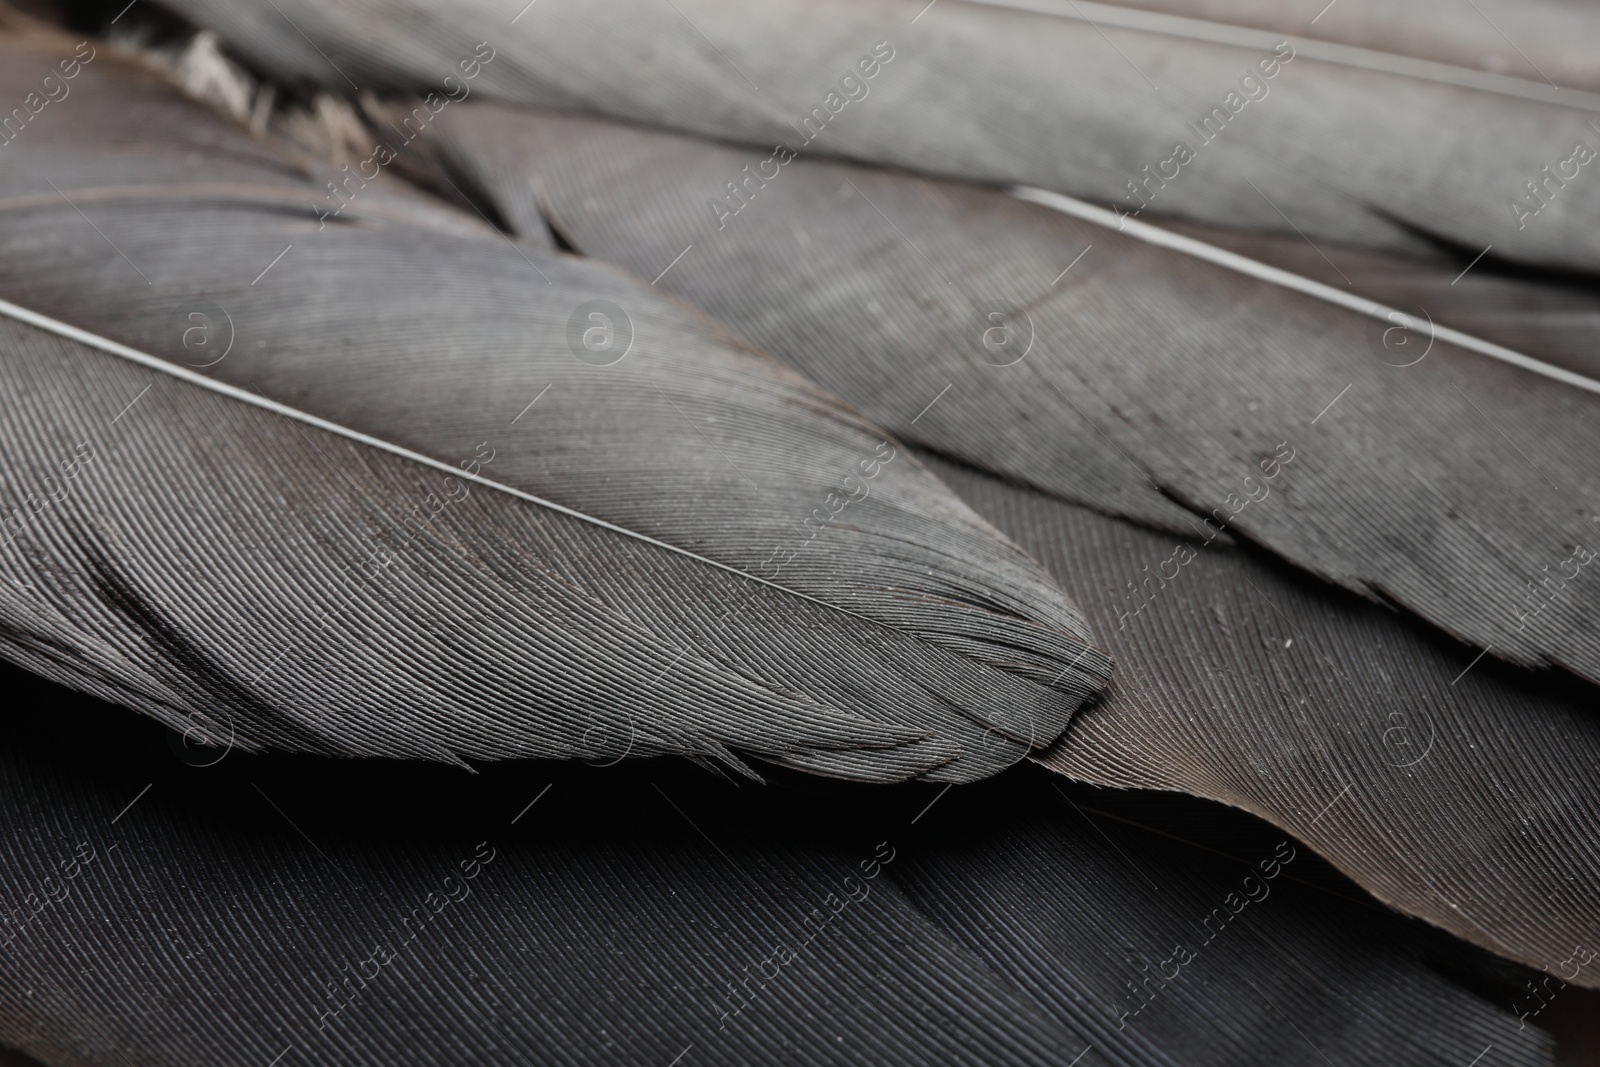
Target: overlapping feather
<point>1111,105</point>
<point>1122,375</point>
<point>418,917</point>
<point>1466,797</point>
<point>849,274</point>
<point>413,588</point>
<point>1017,624</point>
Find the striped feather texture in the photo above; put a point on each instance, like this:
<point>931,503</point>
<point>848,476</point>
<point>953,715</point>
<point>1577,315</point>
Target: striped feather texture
<point>388,570</point>
<point>280,906</point>
<point>1224,124</point>
<point>1540,41</point>
<point>1172,966</point>
<point>1462,792</point>
<point>886,668</point>
<point>1128,377</point>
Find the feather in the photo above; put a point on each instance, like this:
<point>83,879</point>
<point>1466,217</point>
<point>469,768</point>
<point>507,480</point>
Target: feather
<point>599,575</point>
<point>1541,41</point>
<point>1458,792</point>
<point>429,920</point>
<point>1180,964</point>
<point>1125,376</point>
<point>852,315</point>
<point>1224,124</point>
<point>846,313</point>
<point>402,914</point>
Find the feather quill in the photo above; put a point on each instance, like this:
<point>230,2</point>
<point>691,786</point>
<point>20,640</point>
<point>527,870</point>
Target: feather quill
<point>919,643</point>
<point>1551,317</point>
<point>1202,119</point>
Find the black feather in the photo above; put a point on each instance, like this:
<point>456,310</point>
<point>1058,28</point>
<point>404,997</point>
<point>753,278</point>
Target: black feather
<point>385,913</point>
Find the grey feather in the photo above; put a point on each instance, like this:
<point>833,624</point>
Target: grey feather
<point>1540,42</point>
<point>1551,317</point>
<point>1460,792</point>
<point>329,587</point>
<point>814,268</point>
<point>1038,93</point>
<point>1136,379</point>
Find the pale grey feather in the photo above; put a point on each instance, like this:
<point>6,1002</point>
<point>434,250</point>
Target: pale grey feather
<point>1046,97</point>
<point>886,602</point>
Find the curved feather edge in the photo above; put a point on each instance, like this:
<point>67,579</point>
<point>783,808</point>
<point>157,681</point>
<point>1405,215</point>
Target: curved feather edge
<point>1155,384</point>
<point>1458,792</point>
<point>388,362</point>
<point>95,605</point>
